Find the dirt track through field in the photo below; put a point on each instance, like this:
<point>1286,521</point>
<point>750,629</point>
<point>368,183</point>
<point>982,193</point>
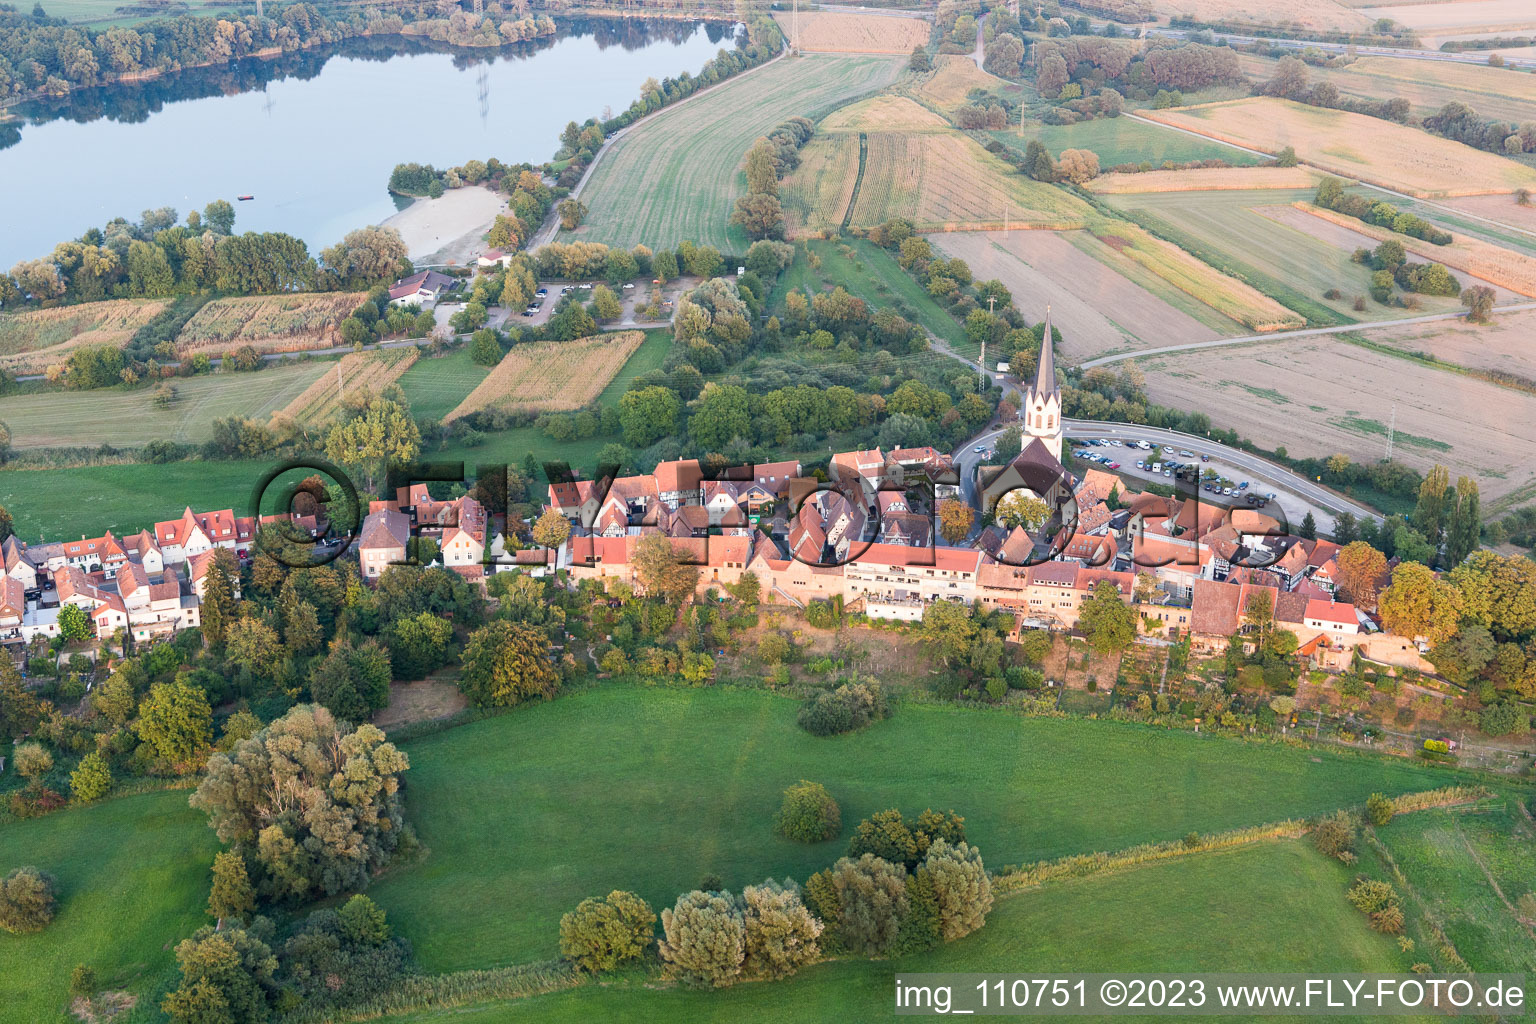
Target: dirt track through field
<point>1096,309</point>
<point>1321,395</point>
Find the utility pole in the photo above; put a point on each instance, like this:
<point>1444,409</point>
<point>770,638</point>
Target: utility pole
<point>991,305</point>
<point>794,28</point>
<point>259,13</point>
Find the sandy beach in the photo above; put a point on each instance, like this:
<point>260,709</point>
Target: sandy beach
<point>448,229</point>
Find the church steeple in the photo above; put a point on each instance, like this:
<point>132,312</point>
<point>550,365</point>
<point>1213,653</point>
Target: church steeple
<point>1042,400</point>
<point>1045,373</point>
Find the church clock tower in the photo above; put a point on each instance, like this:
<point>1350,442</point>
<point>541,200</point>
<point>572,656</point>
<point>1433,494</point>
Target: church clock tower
<point>1042,400</point>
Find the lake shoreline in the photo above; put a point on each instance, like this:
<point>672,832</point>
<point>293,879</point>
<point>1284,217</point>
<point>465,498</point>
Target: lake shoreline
<point>449,229</point>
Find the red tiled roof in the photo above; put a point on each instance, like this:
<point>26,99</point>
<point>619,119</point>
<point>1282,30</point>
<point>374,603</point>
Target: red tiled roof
<point>1335,612</point>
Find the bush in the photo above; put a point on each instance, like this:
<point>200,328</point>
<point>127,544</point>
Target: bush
<point>26,900</point>
<point>888,836</point>
<point>961,888</point>
<point>1369,895</point>
<point>1379,809</point>
<point>1334,835</point>
<point>871,903</point>
<point>599,935</point>
<point>1388,920</point>
<point>340,957</point>
<point>849,707</point>
<point>808,814</point>
<point>91,779</point>
<point>781,934</point>
<point>705,941</point>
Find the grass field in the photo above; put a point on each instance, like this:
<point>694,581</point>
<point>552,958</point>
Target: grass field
<point>1318,396</point>
<point>1369,148</point>
<point>1124,140</point>
<point>953,79</point>
<point>1205,180</point>
<point>1098,310</point>
<point>1276,904</point>
<point>129,418</point>
<point>1427,85</point>
<point>948,182</point>
<point>32,341</point>
<point>1468,866</point>
<point>132,881</point>
<point>676,175</point>
<point>54,504</point>
<point>1493,264</point>
<point>358,372</point>
<point>434,385</point>
<point>846,32</point>
<point>686,782</point>
<point>551,376</point>
<point>268,323</point>
<point>1242,232</point>
<point>1228,295</point>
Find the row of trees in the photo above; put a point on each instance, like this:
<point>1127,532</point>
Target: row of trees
<point>157,258</point>
<point>51,56</point>
<point>772,156</point>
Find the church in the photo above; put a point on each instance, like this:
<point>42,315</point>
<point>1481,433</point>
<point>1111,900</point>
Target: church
<point>1037,468</point>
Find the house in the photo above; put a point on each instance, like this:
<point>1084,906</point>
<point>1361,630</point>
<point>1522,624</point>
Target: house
<point>382,541</point>
<point>16,564</point>
<point>420,289</point>
<point>493,258</point>
<point>96,554</point>
<point>678,483</point>
<point>197,575</point>
<point>925,575</point>
<point>866,467</point>
<point>196,532</point>
<point>463,540</point>
<point>147,605</point>
<point>911,529</point>
<point>1332,617</point>
<point>13,608</point>
<point>774,477</point>
<point>733,502</point>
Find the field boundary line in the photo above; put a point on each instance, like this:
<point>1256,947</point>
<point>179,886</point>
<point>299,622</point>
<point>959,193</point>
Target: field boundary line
<point>853,197</point>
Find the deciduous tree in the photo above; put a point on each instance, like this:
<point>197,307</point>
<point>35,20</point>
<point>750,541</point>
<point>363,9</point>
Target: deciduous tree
<point>506,663</point>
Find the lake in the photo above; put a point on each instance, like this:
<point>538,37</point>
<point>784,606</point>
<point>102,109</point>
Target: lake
<point>313,135</point>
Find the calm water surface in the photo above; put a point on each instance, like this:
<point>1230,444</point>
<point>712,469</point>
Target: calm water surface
<point>314,136</point>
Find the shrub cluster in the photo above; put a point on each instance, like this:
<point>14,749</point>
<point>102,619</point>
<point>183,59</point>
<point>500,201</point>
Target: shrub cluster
<point>849,707</point>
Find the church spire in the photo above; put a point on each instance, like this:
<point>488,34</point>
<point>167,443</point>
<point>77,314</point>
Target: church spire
<point>1045,372</point>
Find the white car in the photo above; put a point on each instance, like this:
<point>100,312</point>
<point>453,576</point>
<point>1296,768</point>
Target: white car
<point>978,450</point>
<point>629,287</point>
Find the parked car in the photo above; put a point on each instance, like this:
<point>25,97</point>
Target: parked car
<point>542,292</point>
<point>629,287</point>
<point>1187,454</point>
<point>1205,458</point>
<point>1226,490</point>
<point>1114,465</point>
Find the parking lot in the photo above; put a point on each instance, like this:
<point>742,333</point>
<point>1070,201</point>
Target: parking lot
<point>1219,483</point>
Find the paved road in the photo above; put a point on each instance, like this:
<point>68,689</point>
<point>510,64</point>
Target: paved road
<point>1248,339</point>
<point>1472,57</point>
<point>1297,495</point>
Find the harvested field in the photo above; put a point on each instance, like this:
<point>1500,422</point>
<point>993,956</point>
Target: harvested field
<point>1435,21</point>
<point>33,340</point>
<point>1323,15</point>
<point>884,113</point>
<point>947,182</point>
<point>839,32</point>
<point>1324,395</point>
<point>268,323</point>
<point>1205,180</point>
<point>1503,209</point>
<point>360,371</point>
<point>676,175</point>
<point>1227,295</point>
<point>950,83</point>
<point>551,376</point>
<point>815,196</point>
<point>1503,346</point>
<point>1491,263</point>
<point>1295,266</point>
<point>1354,145</point>
<point>1098,310</point>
